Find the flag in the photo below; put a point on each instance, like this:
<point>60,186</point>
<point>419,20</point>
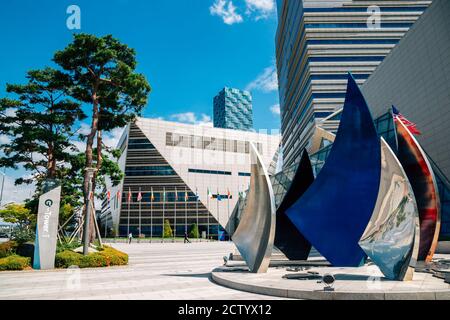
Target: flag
<point>228,194</point>
<point>108,195</point>
<point>164,195</point>
<point>210,195</point>
<point>152,196</point>
<point>139,197</point>
<point>219,197</point>
<point>118,195</point>
<point>196,194</point>
<point>176,194</point>
<point>186,196</point>
<point>129,194</point>
<point>412,127</point>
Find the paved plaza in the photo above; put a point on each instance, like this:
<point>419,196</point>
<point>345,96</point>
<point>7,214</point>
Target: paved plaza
<point>155,272</point>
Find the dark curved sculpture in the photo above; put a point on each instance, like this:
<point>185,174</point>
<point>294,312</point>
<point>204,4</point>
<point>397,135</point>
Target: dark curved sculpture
<point>254,236</point>
<point>287,237</point>
<point>423,182</point>
<point>391,238</point>
<point>334,212</point>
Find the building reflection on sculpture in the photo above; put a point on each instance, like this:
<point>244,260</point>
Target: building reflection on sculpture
<point>369,191</point>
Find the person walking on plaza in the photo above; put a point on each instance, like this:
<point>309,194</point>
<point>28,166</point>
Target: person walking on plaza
<point>186,239</point>
<point>130,237</point>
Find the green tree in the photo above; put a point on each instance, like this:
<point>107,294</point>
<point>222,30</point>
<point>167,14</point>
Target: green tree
<point>193,232</point>
<point>18,214</point>
<point>38,123</point>
<point>102,71</point>
<point>167,230</point>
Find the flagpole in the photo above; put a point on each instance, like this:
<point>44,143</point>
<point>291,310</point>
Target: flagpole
<point>185,209</point>
<point>218,216</point>
<point>164,208</point>
<point>229,195</point>
<point>175,217</point>
<point>128,223</point>
<point>207,204</point>
<point>140,225</point>
<point>151,216</point>
<point>196,205</point>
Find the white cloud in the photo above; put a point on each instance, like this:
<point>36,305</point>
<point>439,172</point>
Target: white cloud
<point>267,81</point>
<point>226,10</point>
<point>262,8</point>
<point>111,139</point>
<point>4,139</point>
<point>191,118</point>
<point>275,109</point>
<point>16,194</point>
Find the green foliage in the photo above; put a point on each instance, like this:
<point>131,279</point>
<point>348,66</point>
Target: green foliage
<point>18,214</point>
<point>105,258</point>
<point>67,246</point>
<point>193,232</point>
<point>167,230</point>
<point>8,248</point>
<point>40,127</point>
<point>14,262</point>
<point>23,235</point>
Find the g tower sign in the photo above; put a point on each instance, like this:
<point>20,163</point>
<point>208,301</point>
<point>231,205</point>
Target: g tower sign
<point>47,229</point>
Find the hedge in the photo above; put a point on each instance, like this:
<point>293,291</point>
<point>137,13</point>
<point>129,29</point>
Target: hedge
<point>104,258</point>
<point>7,248</point>
<point>14,262</point>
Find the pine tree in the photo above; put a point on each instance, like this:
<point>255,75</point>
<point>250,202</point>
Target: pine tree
<point>167,230</point>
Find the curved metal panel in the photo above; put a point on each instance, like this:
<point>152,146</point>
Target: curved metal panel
<point>334,212</point>
<point>254,237</point>
<point>287,237</point>
<point>392,236</point>
<point>423,182</point>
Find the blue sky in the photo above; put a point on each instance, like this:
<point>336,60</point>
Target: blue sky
<point>187,49</point>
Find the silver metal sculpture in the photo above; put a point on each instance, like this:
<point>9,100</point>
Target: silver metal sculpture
<point>392,236</point>
<point>254,237</point>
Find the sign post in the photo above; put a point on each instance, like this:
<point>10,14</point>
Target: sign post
<point>47,227</point>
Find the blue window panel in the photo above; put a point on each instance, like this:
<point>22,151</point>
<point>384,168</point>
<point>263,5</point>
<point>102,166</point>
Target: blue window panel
<point>244,174</point>
<point>364,9</point>
<point>340,59</point>
<point>362,41</point>
<point>356,25</point>
<point>226,173</point>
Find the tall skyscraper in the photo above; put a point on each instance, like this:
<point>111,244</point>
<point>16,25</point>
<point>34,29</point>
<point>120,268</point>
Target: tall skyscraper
<point>233,110</point>
<point>317,43</point>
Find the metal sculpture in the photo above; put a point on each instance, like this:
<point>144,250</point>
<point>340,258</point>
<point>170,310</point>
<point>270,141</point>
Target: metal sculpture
<point>287,237</point>
<point>423,182</point>
<point>334,212</point>
<point>254,237</point>
<point>391,238</point>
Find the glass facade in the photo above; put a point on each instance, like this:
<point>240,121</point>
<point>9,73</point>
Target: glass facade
<point>317,44</point>
<point>233,110</point>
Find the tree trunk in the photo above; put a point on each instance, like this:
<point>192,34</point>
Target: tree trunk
<point>89,163</point>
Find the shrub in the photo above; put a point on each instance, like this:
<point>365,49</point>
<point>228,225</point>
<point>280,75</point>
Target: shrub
<point>167,230</point>
<point>14,262</point>
<point>23,235</point>
<point>67,259</point>
<point>194,233</point>
<point>7,248</point>
<point>67,246</point>
<point>105,258</point>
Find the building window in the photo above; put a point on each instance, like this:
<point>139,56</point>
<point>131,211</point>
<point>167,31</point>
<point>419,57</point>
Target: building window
<point>225,173</point>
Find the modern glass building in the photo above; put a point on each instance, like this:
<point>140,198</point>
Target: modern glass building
<point>233,110</point>
<point>317,43</point>
<point>186,174</point>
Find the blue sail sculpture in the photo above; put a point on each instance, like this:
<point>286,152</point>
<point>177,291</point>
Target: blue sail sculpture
<point>288,239</point>
<point>336,209</point>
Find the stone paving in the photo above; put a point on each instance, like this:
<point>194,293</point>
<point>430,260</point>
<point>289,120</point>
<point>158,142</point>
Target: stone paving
<point>156,271</point>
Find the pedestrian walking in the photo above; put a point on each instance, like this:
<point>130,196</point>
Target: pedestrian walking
<point>130,237</point>
<point>186,238</point>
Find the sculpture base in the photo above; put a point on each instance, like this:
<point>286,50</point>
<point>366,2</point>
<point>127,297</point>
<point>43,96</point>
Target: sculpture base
<point>364,283</point>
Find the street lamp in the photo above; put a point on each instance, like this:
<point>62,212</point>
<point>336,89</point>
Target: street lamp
<point>90,172</point>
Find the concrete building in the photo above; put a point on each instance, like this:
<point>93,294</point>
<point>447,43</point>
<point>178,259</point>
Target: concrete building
<point>317,43</point>
<point>171,164</point>
<point>233,110</point>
